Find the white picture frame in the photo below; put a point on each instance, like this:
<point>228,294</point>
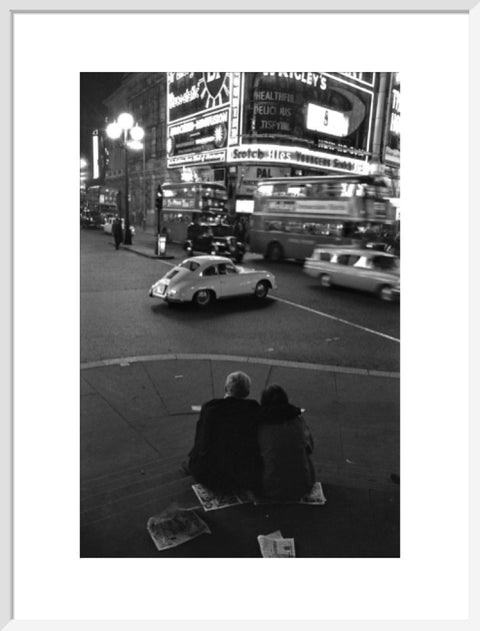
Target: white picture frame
<point>7,562</point>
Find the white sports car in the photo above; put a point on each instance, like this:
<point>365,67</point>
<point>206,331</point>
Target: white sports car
<point>202,279</point>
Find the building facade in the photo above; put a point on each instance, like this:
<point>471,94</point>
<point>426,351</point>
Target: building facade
<point>239,128</point>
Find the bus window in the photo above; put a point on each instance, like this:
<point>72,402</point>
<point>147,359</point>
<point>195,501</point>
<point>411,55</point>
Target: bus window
<point>297,191</point>
<point>322,209</point>
<point>264,189</point>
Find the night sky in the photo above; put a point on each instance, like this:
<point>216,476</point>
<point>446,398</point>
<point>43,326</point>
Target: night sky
<point>94,88</point>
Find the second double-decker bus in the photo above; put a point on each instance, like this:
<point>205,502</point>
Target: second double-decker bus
<point>101,199</point>
<point>293,215</point>
<point>182,201</point>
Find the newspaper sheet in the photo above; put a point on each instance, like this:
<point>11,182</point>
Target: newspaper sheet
<point>276,546</point>
<point>316,497</point>
<point>175,526</point>
<point>211,500</point>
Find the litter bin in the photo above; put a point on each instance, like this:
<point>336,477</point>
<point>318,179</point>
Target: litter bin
<point>161,244</point>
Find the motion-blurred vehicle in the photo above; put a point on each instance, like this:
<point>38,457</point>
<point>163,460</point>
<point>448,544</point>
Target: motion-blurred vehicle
<point>366,270</point>
<point>214,239</point>
<point>202,279</point>
<point>90,219</point>
<point>108,225</point>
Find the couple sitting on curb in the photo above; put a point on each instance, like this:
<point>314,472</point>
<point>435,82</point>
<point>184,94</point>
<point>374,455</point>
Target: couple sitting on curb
<point>241,445</point>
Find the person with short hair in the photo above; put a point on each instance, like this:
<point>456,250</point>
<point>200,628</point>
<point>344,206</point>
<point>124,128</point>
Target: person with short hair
<point>225,453</point>
<point>286,447</point>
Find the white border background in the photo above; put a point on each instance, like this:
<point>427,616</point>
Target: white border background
<point>430,580</point>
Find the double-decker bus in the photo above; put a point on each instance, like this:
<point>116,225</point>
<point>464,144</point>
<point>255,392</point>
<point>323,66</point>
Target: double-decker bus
<point>101,199</point>
<point>98,203</point>
<point>292,215</point>
<point>184,201</point>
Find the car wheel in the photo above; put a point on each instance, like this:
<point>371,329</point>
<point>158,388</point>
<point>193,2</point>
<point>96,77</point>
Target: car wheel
<point>386,293</point>
<point>275,252</point>
<point>261,290</point>
<point>325,280</point>
<point>203,298</point>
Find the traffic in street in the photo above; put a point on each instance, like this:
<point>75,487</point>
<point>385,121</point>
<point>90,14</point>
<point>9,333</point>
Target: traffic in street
<point>300,321</point>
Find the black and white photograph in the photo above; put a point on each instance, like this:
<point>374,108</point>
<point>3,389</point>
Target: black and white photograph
<point>240,314</point>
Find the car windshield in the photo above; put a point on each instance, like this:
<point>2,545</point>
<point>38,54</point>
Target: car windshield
<point>190,265</point>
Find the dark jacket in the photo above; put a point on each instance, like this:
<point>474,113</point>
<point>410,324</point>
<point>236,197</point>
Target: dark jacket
<point>286,445</point>
<point>117,230</point>
<point>225,453</point>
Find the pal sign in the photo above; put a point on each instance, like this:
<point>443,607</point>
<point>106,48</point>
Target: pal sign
<point>248,177</point>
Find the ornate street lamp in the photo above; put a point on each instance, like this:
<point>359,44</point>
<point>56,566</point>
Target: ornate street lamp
<point>130,135</point>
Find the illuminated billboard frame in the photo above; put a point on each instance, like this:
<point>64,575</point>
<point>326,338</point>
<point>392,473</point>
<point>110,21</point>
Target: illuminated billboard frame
<point>282,113</point>
<point>198,117</point>
<point>200,98</point>
<point>392,132</point>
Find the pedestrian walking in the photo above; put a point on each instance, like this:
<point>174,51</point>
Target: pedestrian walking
<point>117,232</point>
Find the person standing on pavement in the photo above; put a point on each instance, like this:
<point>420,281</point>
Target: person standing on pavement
<point>286,447</point>
<point>117,232</point>
<point>225,453</point>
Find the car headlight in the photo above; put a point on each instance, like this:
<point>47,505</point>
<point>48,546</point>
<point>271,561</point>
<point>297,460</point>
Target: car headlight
<point>172,292</point>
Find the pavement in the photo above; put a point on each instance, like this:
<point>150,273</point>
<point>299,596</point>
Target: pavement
<point>138,418</point>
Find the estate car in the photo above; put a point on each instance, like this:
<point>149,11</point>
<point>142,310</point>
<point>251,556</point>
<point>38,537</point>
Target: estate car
<point>367,270</point>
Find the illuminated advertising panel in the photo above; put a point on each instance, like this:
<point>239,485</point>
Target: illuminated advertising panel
<point>295,156</point>
<point>198,116</point>
<point>330,112</point>
<point>95,156</point>
<point>392,136</point>
<point>249,177</point>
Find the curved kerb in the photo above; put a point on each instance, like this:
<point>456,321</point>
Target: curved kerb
<point>124,361</point>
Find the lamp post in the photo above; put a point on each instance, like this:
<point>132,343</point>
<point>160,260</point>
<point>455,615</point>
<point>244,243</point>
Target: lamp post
<point>131,135</point>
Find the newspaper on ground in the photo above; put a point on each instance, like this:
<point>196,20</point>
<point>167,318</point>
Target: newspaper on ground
<point>211,500</point>
<point>175,526</point>
<point>275,545</point>
<point>316,497</point>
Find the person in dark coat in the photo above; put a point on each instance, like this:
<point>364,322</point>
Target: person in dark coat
<point>286,446</point>
<point>225,454</point>
<point>117,232</point>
